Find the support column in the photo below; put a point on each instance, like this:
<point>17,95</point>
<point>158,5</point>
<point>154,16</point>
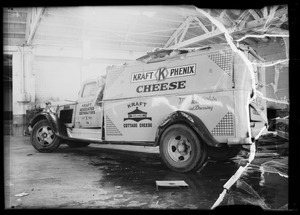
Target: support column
<point>23,88</point>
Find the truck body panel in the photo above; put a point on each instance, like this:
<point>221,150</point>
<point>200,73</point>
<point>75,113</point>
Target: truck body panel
<point>138,118</point>
<point>214,85</point>
<point>192,73</point>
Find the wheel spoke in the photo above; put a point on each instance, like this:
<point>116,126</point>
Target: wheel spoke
<point>174,143</point>
<point>179,148</point>
<point>42,141</point>
<point>40,138</point>
<point>39,135</point>
<point>175,155</point>
<point>186,156</point>
<point>40,132</point>
<point>45,130</point>
<point>49,139</point>
<point>50,132</point>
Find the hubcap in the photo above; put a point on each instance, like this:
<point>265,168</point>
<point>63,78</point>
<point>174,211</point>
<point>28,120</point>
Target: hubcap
<point>45,136</point>
<point>179,148</point>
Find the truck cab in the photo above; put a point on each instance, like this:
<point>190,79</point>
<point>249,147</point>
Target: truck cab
<point>84,119</point>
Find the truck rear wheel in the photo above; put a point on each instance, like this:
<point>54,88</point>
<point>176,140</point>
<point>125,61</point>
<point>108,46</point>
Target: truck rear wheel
<point>223,153</point>
<point>181,149</point>
<point>43,138</point>
<point>74,144</point>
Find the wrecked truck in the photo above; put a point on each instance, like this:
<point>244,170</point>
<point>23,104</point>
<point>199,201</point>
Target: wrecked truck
<point>191,103</point>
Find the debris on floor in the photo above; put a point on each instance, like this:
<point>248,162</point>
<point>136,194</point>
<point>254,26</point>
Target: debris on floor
<point>22,194</point>
<point>171,184</point>
<point>117,187</point>
<point>275,167</point>
<point>117,179</point>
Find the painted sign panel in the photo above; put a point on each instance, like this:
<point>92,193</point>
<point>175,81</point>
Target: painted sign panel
<point>88,115</point>
<point>193,74</point>
<point>137,119</point>
<point>164,73</point>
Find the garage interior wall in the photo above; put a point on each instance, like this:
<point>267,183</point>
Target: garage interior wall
<point>50,75</point>
<point>58,77</point>
<point>277,76</point>
<point>23,92</point>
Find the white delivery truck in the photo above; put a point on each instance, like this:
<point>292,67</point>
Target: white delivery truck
<point>192,103</point>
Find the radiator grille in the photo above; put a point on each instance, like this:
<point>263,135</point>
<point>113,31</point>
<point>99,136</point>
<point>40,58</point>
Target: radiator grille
<point>66,116</point>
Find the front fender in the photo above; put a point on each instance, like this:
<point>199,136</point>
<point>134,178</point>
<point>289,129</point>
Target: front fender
<point>191,120</point>
<point>56,125</point>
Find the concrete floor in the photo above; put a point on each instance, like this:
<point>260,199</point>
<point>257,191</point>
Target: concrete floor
<point>111,176</point>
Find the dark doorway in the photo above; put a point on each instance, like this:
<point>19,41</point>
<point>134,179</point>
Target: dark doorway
<point>7,91</point>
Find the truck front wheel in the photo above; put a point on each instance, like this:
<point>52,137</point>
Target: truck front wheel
<point>181,149</point>
<point>43,138</point>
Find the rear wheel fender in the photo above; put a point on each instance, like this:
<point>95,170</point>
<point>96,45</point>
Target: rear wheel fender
<point>182,117</point>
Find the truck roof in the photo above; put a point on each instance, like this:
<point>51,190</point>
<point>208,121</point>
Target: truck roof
<point>162,54</point>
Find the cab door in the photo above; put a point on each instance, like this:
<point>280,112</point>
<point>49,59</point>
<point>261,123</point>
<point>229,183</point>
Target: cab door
<point>88,110</point>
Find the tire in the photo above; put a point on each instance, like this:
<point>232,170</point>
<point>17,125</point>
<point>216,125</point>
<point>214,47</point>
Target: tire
<point>181,149</point>
<point>43,138</point>
<point>223,153</point>
<point>73,144</point>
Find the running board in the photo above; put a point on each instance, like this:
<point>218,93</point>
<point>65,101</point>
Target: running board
<point>86,134</point>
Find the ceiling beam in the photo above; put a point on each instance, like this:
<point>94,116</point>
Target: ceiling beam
<point>108,21</point>
<point>178,30</point>
<point>261,21</point>
<point>235,29</point>
<point>33,20</point>
<point>184,32</point>
<point>95,53</point>
<point>114,47</point>
<point>10,21</point>
<point>201,24</point>
<point>196,39</point>
<point>47,37</point>
<point>254,14</point>
<point>14,32</point>
<point>15,10</point>
<point>100,29</point>
<point>12,41</point>
<point>223,17</point>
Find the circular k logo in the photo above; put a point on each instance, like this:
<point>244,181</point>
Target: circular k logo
<point>161,74</point>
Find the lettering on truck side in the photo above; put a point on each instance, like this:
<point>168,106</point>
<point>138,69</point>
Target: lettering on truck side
<point>161,87</point>
<point>182,71</point>
<point>164,73</point>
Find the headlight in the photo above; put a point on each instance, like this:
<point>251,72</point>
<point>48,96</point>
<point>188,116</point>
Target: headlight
<point>49,107</point>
